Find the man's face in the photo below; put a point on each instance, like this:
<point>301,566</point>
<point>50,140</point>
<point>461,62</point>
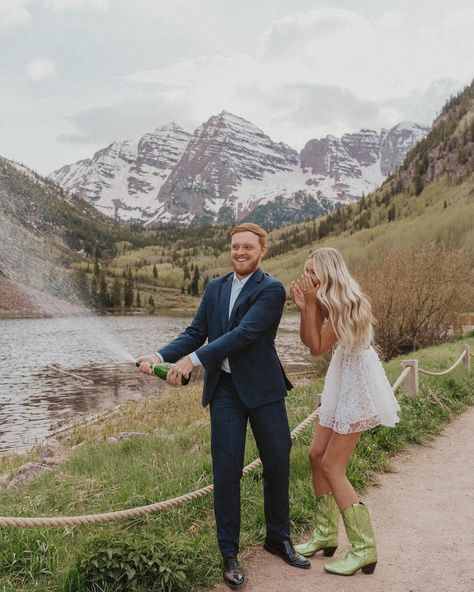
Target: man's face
<point>246,252</point>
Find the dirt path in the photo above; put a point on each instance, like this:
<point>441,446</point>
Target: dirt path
<point>423,518</point>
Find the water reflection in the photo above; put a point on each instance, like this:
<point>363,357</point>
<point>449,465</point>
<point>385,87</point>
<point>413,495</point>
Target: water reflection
<point>34,397</point>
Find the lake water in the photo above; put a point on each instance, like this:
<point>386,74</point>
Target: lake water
<point>34,397</point>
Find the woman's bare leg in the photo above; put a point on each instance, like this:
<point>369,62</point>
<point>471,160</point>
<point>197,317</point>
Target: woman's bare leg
<point>333,465</point>
<point>318,448</point>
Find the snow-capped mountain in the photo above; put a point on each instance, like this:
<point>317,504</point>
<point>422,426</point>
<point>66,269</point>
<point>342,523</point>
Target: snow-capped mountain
<point>345,168</point>
<point>229,171</point>
<point>223,155</point>
<point>124,179</point>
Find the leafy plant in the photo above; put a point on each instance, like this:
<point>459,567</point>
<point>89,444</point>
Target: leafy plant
<point>130,564</point>
<point>27,554</point>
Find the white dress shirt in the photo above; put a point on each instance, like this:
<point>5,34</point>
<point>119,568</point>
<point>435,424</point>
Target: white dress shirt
<point>237,286</point>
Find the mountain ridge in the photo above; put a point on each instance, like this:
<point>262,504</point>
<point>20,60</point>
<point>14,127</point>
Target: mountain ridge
<point>229,170</point>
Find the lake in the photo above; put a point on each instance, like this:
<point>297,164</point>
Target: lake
<point>34,397</point>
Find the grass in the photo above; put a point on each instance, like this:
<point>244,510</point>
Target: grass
<point>420,220</point>
<point>442,214</point>
<point>173,457</point>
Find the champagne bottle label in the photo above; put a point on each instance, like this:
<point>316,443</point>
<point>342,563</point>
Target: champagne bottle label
<point>161,370</point>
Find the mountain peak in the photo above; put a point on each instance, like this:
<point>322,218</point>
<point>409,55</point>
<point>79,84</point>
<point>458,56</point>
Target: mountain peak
<point>410,125</point>
<point>171,126</point>
<point>232,119</point>
<point>229,169</point>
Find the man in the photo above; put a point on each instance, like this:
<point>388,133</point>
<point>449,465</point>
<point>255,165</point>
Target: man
<point>244,381</point>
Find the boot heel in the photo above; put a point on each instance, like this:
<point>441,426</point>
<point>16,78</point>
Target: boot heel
<point>329,551</point>
<point>370,568</point>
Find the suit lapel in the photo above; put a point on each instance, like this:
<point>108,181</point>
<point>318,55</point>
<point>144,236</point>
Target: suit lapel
<point>255,278</point>
<point>224,301</point>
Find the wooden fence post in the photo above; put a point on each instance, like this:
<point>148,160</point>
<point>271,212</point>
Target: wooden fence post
<point>410,382</point>
<point>317,400</point>
<point>466,362</point>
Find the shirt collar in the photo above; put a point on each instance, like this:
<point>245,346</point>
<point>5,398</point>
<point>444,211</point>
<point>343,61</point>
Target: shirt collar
<point>242,281</point>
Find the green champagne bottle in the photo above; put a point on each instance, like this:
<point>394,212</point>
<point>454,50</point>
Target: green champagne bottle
<point>161,370</point>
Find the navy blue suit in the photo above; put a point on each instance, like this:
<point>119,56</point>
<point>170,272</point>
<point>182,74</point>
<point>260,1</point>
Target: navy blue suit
<point>254,391</point>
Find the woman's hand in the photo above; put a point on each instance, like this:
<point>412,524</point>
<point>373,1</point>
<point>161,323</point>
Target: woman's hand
<point>297,295</point>
<point>308,289</point>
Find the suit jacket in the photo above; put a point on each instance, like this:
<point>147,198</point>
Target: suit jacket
<point>247,338</point>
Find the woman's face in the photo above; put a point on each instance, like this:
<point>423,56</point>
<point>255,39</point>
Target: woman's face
<point>309,269</point>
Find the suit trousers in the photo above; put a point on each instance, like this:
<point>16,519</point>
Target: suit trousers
<point>269,423</point>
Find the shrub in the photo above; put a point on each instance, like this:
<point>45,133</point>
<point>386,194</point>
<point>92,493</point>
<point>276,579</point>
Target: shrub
<point>132,562</point>
<point>415,293</point>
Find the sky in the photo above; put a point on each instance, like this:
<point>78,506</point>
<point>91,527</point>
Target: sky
<point>76,75</point>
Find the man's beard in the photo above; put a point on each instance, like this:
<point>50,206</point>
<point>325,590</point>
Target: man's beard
<point>244,267</point>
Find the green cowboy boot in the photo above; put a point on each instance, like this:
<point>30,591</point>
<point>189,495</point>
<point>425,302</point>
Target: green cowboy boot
<point>363,554</point>
<point>325,533</point>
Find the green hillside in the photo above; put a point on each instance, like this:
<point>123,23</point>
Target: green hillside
<point>410,243</point>
<point>419,222</point>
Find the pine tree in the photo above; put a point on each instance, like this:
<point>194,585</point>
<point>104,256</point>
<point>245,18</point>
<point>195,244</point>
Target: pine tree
<point>94,290</point>
<point>391,213</point>
<point>103,293</point>
<point>128,290</point>
<point>116,295</point>
<point>195,282</point>
<point>419,185</point>
<point>187,275</point>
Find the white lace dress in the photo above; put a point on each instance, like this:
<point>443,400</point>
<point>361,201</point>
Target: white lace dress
<point>357,395</point>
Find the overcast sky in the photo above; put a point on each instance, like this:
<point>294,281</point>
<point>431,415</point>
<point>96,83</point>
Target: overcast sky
<point>77,74</point>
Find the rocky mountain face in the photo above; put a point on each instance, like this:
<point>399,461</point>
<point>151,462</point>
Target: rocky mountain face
<point>124,179</point>
<point>447,151</point>
<point>230,171</point>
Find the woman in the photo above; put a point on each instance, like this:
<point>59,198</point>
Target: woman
<point>356,397</point>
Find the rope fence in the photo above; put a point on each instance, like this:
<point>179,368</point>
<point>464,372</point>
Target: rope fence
<point>401,378</point>
<point>87,421</point>
<point>444,372</point>
<point>20,522</point>
<point>407,376</point>
<point>411,380</point>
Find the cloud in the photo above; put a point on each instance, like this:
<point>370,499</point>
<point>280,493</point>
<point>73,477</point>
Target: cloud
<point>40,69</point>
<point>423,102</point>
<point>375,57</point>
<point>14,12</point>
<point>322,30</point>
<point>293,113</point>
<point>319,72</point>
<point>128,119</point>
<point>64,5</point>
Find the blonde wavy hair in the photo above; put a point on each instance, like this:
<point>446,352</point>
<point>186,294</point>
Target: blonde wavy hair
<point>349,308</point>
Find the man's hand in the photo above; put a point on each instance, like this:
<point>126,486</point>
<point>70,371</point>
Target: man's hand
<point>146,362</point>
<point>182,368</point>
